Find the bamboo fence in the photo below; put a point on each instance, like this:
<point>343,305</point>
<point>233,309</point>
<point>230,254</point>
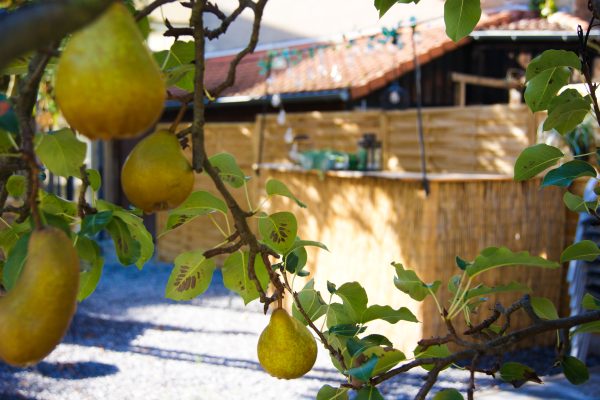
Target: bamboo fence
<point>369,222</point>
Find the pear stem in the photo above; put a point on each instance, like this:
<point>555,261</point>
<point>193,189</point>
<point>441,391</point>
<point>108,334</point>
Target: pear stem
<point>280,303</point>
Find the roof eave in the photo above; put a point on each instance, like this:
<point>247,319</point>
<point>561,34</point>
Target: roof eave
<point>533,35</point>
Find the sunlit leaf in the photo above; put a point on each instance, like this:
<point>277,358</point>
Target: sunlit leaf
<point>496,257</point>
<point>536,159</point>
<point>585,250</point>
<point>62,153</point>
<point>191,276</point>
<point>276,187</point>
<point>236,278</point>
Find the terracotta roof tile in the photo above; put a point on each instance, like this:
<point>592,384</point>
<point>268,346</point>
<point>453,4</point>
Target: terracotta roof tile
<point>367,64</point>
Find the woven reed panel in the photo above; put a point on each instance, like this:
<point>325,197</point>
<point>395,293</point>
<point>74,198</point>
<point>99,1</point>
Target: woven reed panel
<point>367,223</point>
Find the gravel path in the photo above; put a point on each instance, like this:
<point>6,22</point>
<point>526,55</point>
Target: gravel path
<point>128,342</point>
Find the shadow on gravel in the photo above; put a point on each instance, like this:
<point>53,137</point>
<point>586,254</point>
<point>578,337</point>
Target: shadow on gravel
<point>77,370</point>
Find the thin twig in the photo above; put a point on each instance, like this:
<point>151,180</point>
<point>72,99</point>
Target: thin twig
<point>151,7</point>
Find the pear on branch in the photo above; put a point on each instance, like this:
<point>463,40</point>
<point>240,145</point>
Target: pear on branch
<point>286,348</point>
<point>108,85</point>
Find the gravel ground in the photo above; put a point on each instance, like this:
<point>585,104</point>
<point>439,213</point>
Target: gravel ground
<point>128,342</point>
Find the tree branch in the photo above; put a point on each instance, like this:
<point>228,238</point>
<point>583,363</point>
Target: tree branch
<point>151,7</point>
<point>42,23</point>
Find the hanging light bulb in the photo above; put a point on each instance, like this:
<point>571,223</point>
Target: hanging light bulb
<point>288,137</point>
<point>276,100</point>
<point>281,117</point>
<point>394,97</point>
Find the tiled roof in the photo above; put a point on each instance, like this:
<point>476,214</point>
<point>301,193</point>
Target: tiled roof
<point>366,64</point>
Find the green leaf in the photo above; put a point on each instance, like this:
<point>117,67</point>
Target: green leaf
<point>347,330</point>
<point>128,249</point>
<point>177,65</point>
<point>94,178</point>
<point>482,290</point>
<point>279,231</point>
<point>197,204</point>
<point>589,302</point>
<point>575,371</point>
<point>536,159</point>
<point>355,299</point>
<point>15,186</point>
<point>340,315</point>
<point>461,17</point>
<point>388,358</point>
<point>454,283</point>
<point>388,314</point>
<point>356,346</point>
<point>190,277</point>
<point>590,327</point>
<point>10,235</point>
<point>564,175</point>
<point>518,374</point>
<point>495,257</point>
<point>365,370</point>
<point>228,170</point>
<point>94,223</point>
<point>52,204</point>
<point>139,233</point>
<point>585,250</point>
<point>448,394</point>
<point>296,260</point>
<point>546,75</point>
<point>460,263</point>
<point>236,278</point>
<point>436,351</point>
<point>407,281</point>
<point>62,153</point>
<point>15,262</point>
<point>369,393</point>
<point>567,111</point>
<point>330,393</point>
<point>90,257</point>
<point>311,302</point>
<point>544,308</point>
<point>578,204</point>
<point>7,142</point>
<point>276,187</point>
<point>304,243</point>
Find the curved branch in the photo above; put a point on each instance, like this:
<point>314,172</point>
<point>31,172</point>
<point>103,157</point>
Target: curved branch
<point>38,25</point>
<point>151,7</point>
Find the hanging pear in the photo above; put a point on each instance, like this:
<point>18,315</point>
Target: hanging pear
<point>108,85</point>
<point>36,313</point>
<point>286,348</point>
<point>156,175</point>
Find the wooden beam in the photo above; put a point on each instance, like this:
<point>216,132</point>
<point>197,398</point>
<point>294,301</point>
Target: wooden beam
<point>485,81</point>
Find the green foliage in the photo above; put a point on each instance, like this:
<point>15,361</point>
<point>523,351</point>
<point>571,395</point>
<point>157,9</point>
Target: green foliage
<point>62,153</point>
<point>94,178</point>
<point>368,393</point>
<point>388,314</point>
<point>578,204</point>
<point>589,302</point>
<point>448,394</point>
<point>496,257</point>
<point>387,358</point>
<point>365,370</point>
<point>330,393</point>
<point>407,281</point>
<point>197,204</point>
<point>461,17</point>
<point>92,263</point>
<point>15,186</point>
<point>354,298</point>
<point>383,6</point>
<point>518,374</point>
<point>567,111</point>
<point>228,170</point>
<point>190,277</point>
<point>536,159</point>
<point>544,308</point>
<point>546,75</point>
<point>590,327</point>
<point>128,249</point>
<point>95,223</point>
<point>575,371</point>
<point>585,250</point>
<point>236,278</point>
<point>276,187</point>
<point>15,262</point>
<point>177,66</point>
<point>436,351</point>
<point>279,231</point>
<point>312,302</point>
<point>564,175</point>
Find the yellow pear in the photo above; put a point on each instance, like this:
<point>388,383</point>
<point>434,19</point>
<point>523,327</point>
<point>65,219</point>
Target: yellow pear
<point>156,175</point>
<point>286,348</point>
<point>36,313</point>
<point>108,85</point>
